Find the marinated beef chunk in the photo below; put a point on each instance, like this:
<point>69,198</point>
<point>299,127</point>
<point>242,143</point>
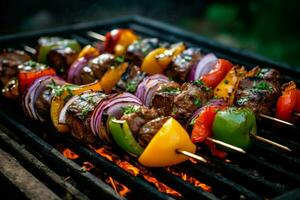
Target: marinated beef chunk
<point>61,58</point>
<point>137,119</point>
<point>96,68</point>
<point>191,97</point>
<point>79,113</point>
<point>149,129</point>
<point>163,98</point>
<point>269,74</point>
<point>9,62</point>
<point>43,103</point>
<point>183,63</point>
<point>137,51</point>
<point>130,79</point>
<point>257,94</point>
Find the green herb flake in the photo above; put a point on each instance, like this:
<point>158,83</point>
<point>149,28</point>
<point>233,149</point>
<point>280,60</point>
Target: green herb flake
<point>197,102</point>
<point>170,90</point>
<point>199,82</point>
<point>119,60</point>
<point>131,86</point>
<point>226,81</point>
<point>130,109</point>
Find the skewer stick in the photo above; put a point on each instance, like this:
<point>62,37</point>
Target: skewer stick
<point>270,142</point>
<point>30,49</point>
<point>276,119</point>
<point>191,155</point>
<point>240,150</point>
<point>96,36</point>
<point>296,114</point>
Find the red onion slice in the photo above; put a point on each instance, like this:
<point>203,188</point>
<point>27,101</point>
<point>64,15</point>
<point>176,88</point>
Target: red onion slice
<point>62,114</point>
<point>204,66</point>
<point>34,91</point>
<point>75,69</point>
<point>113,107</point>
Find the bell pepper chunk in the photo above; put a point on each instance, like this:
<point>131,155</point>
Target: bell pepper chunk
<point>235,126</point>
<point>122,135</point>
<point>227,88</point>
<point>112,76</point>
<point>58,101</point>
<point>161,151</point>
<point>88,52</point>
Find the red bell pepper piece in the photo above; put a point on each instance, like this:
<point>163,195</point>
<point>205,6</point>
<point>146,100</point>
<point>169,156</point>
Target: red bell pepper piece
<point>287,103</point>
<point>26,78</point>
<point>215,76</point>
<point>111,40</point>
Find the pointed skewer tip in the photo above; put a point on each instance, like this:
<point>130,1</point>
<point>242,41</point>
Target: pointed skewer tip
<point>262,139</point>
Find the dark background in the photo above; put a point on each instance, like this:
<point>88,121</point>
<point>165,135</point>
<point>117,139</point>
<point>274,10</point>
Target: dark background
<point>267,27</point>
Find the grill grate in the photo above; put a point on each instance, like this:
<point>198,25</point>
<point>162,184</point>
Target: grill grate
<point>264,172</point>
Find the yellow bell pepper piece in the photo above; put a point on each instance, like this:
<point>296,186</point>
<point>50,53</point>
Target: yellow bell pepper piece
<point>226,89</point>
<point>58,102</point>
<point>159,59</point>
<point>88,51</point>
<point>127,37</point>
<point>161,151</point>
<point>112,76</point>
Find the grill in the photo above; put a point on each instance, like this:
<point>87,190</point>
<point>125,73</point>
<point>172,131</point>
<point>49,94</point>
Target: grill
<point>33,166</point>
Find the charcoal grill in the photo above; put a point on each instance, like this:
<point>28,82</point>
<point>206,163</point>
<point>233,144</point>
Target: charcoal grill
<point>264,172</point>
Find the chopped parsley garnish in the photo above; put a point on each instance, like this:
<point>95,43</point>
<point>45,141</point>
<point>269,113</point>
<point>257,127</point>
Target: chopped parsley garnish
<point>58,89</point>
<point>263,86</point>
<point>226,81</point>
<point>84,112</point>
<point>130,109</point>
<point>131,86</point>
<point>197,102</point>
<point>193,121</point>
<point>170,90</point>
<point>187,58</point>
<point>119,60</point>
<point>199,82</point>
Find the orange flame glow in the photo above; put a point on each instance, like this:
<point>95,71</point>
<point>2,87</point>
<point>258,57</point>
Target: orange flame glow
<point>136,171</point>
<point>161,186</point>
<point>118,187</point>
<point>68,153</point>
<point>191,180</point>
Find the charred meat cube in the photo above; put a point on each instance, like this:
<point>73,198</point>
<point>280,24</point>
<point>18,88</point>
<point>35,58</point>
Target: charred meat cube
<point>149,129</point>
<point>97,67</point>
<point>78,116</point>
<point>9,62</point>
<point>191,97</point>
<point>130,79</point>
<point>61,58</point>
<point>257,94</point>
<point>43,103</point>
<point>138,117</point>
<point>137,51</point>
<point>183,63</point>
<point>163,98</point>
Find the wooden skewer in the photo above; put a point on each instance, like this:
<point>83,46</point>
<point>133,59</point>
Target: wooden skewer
<point>296,114</point>
<point>240,150</point>
<point>270,142</point>
<point>191,155</point>
<point>96,36</point>
<point>276,119</point>
<point>30,50</point>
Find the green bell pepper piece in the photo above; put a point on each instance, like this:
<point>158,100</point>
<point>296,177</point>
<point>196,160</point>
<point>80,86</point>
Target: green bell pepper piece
<point>122,135</point>
<point>235,126</point>
<point>51,43</point>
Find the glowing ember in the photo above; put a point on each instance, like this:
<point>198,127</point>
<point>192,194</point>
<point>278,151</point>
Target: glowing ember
<point>68,153</point>
<point>87,166</point>
<point>104,152</point>
<point>129,168</point>
<point>118,187</point>
<point>161,186</point>
<point>191,180</point>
